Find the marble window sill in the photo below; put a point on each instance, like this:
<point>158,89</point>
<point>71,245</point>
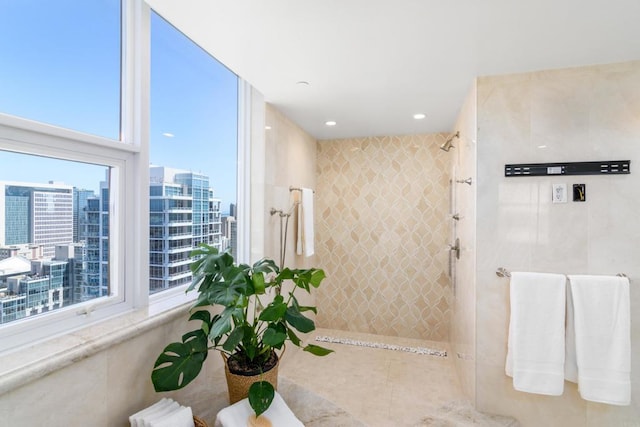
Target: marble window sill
<point>21,366</point>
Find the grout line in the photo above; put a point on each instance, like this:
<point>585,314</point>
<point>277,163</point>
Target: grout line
<point>415,350</point>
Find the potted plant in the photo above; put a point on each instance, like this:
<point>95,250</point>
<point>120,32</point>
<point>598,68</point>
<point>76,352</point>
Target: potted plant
<point>259,314</point>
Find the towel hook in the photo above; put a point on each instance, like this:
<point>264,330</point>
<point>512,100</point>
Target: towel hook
<point>502,272</point>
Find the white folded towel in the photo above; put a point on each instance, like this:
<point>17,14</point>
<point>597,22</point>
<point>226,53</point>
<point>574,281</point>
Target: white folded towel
<point>237,414</point>
<point>164,413</point>
<point>182,417</point>
<point>305,242</point>
<point>535,352</point>
<point>601,318</point>
<point>136,420</point>
<point>149,419</point>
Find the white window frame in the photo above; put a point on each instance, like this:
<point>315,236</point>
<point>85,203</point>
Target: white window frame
<point>27,137</point>
<point>129,193</point>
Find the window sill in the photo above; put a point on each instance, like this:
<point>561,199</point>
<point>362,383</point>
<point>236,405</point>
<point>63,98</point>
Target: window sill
<point>26,364</point>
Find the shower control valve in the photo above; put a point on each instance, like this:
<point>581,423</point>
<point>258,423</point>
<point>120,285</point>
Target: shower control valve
<point>456,248</point>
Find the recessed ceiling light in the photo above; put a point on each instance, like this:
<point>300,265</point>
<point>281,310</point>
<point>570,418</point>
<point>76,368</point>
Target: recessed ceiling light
<point>542,146</point>
<point>330,123</point>
<point>419,116</point>
<point>168,135</point>
<point>267,127</point>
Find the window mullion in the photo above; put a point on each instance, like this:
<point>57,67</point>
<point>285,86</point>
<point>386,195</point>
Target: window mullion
<point>135,132</point>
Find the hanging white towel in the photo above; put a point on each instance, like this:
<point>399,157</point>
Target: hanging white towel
<point>305,242</point>
<point>570,363</point>
<point>601,318</point>
<point>535,352</point>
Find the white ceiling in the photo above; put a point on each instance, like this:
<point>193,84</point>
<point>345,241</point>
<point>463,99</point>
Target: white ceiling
<point>372,64</point>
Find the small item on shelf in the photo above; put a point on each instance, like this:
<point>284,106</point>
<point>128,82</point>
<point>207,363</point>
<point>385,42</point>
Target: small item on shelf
<point>260,421</point>
<point>241,414</point>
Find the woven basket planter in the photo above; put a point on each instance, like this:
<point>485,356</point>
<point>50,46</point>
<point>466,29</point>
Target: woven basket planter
<point>238,385</point>
<point>199,422</point>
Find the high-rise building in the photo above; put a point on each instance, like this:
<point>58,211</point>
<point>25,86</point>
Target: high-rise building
<point>26,250</point>
<point>230,234</point>
<point>80,202</point>
<point>75,255</point>
<point>30,286</point>
<point>183,214</point>
<point>12,305</point>
<point>96,273</point>
<point>36,213</point>
<point>29,292</point>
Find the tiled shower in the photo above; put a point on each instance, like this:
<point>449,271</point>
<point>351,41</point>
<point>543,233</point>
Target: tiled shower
<point>382,235</point>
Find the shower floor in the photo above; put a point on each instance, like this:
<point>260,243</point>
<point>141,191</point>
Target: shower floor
<point>384,381</point>
<point>378,386</point>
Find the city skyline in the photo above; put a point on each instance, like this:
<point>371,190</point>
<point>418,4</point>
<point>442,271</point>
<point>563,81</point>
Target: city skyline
<point>13,170</point>
<point>54,256</point>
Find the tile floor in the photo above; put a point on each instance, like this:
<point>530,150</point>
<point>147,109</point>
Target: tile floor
<point>377,386</point>
<point>360,386</point>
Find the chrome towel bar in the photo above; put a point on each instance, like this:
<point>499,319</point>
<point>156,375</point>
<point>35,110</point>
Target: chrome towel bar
<point>503,272</point>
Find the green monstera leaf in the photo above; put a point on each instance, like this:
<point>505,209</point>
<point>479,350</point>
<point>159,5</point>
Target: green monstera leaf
<point>261,395</point>
<point>180,362</point>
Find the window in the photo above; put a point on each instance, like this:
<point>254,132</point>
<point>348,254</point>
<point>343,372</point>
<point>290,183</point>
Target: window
<point>67,52</point>
<point>193,152</point>
<point>50,238</point>
<point>74,161</point>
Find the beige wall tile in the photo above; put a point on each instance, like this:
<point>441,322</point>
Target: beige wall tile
<point>583,114</point>
<point>382,234</point>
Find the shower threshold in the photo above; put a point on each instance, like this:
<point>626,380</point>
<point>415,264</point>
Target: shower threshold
<point>406,349</point>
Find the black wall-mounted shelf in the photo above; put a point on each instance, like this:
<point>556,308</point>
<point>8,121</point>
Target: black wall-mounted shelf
<point>613,167</point>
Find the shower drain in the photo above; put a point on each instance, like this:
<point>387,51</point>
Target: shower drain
<point>416,350</point>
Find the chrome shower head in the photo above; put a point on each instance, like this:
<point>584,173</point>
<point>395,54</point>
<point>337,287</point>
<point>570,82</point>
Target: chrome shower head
<point>448,144</point>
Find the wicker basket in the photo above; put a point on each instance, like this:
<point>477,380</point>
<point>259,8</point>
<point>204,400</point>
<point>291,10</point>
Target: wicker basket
<point>199,422</point>
<point>238,385</point>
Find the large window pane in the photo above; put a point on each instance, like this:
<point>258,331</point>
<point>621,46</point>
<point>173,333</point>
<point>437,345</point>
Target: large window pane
<point>61,63</point>
<point>53,234</point>
<point>193,152</point>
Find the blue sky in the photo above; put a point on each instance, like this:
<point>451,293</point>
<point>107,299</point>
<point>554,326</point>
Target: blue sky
<point>62,70</point>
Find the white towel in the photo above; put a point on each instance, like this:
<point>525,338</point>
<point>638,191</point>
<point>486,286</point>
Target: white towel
<point>181,417</point>
<point>149,419</point>
<point>570,364</point>
<point>602,338</point>
<point>136,419</point>
<point>237,414</point>
<point>305,242</point>
<point>535,352</point>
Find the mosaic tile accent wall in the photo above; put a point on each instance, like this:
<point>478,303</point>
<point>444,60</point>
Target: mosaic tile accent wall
<point>382,232</point>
